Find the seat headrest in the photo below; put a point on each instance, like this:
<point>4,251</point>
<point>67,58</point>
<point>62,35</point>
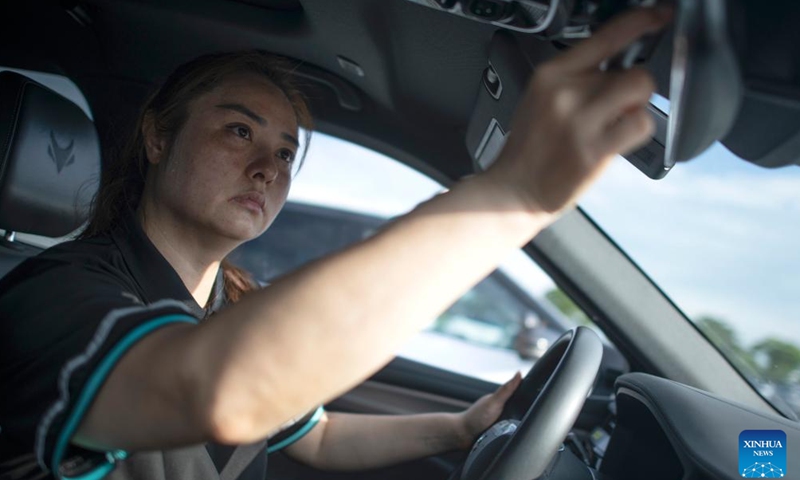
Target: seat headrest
<point>49,159</point>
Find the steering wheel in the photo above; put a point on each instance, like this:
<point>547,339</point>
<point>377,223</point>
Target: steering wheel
<point>538,416</point>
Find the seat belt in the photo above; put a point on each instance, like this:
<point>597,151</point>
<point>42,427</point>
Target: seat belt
<point>241,458</point>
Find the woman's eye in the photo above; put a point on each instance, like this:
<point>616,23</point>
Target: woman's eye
<point>241,131</point>
<point>286,155</point>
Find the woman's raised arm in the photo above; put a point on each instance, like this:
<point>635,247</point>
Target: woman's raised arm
<point>321,330</point>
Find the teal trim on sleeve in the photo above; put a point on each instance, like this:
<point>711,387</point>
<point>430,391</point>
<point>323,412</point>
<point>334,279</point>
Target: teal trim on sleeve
<point>89,391</point>
<point>312,422</point>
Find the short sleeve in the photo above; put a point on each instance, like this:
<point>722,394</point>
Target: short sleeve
<point>63,328</point>
<point>294,430</point>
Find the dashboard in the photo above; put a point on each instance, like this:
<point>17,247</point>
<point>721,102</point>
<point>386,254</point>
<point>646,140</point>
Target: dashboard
<point>664,430</point>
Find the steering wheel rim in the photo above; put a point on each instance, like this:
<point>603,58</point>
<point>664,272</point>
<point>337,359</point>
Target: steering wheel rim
<point>546,405</point>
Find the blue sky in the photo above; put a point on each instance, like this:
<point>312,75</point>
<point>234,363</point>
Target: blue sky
<point>718,234</point>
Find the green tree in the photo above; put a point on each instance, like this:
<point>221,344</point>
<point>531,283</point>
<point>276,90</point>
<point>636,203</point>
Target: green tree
<point>719,332</point>
<point>782,359</point>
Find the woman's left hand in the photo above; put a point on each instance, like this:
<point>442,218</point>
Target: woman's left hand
<point>485,412</point>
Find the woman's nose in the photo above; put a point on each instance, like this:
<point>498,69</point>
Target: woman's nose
<point>264,168</point>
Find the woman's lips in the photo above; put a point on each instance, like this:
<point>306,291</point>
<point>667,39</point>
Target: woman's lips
<point>251,201</point>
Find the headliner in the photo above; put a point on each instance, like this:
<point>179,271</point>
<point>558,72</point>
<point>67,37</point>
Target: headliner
<point>422,67</point>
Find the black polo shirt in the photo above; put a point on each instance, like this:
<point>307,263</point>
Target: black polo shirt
<point>66,318</point>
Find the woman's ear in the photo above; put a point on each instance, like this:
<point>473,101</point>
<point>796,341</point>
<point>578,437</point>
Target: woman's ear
<point>154,143</point>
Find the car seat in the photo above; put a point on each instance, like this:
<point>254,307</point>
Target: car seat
<point>49,165</point>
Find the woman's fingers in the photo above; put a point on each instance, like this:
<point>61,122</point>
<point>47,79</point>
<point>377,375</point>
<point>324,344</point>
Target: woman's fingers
<point>574,117</point>
<point>618,92</point>
<point>505,391</point>
<point>508,388</point>
<point>632,130</point>
<point>613,37</point>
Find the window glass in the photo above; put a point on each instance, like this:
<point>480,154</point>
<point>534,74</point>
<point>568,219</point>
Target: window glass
<point>343,194</point>
<point>719,236</point>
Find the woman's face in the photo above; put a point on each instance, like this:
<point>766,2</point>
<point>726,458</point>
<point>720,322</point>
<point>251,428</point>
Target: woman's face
<point>229,169</point>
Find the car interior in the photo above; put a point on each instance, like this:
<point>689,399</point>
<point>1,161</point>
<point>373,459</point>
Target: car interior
<point>433,83</point>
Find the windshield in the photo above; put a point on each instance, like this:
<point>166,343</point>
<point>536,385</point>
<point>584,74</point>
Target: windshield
<point>720,237</point>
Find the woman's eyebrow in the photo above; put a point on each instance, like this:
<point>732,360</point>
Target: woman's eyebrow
<point>237,107</point>
<point>290,139</point>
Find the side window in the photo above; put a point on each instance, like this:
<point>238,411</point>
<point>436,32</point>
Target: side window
<point>343,194</point>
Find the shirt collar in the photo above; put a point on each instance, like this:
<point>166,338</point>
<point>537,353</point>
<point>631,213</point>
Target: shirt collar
<point>155,276</point>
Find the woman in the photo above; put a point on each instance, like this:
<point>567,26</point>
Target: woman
<point>128,367</point>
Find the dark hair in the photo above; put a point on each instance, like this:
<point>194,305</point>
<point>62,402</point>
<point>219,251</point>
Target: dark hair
<point>123,178</point>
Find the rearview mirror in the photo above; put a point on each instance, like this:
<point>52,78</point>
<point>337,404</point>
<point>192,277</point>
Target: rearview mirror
<point>706,87</point>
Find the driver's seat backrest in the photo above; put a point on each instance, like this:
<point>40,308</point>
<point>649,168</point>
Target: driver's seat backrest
<point>49,165</point>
